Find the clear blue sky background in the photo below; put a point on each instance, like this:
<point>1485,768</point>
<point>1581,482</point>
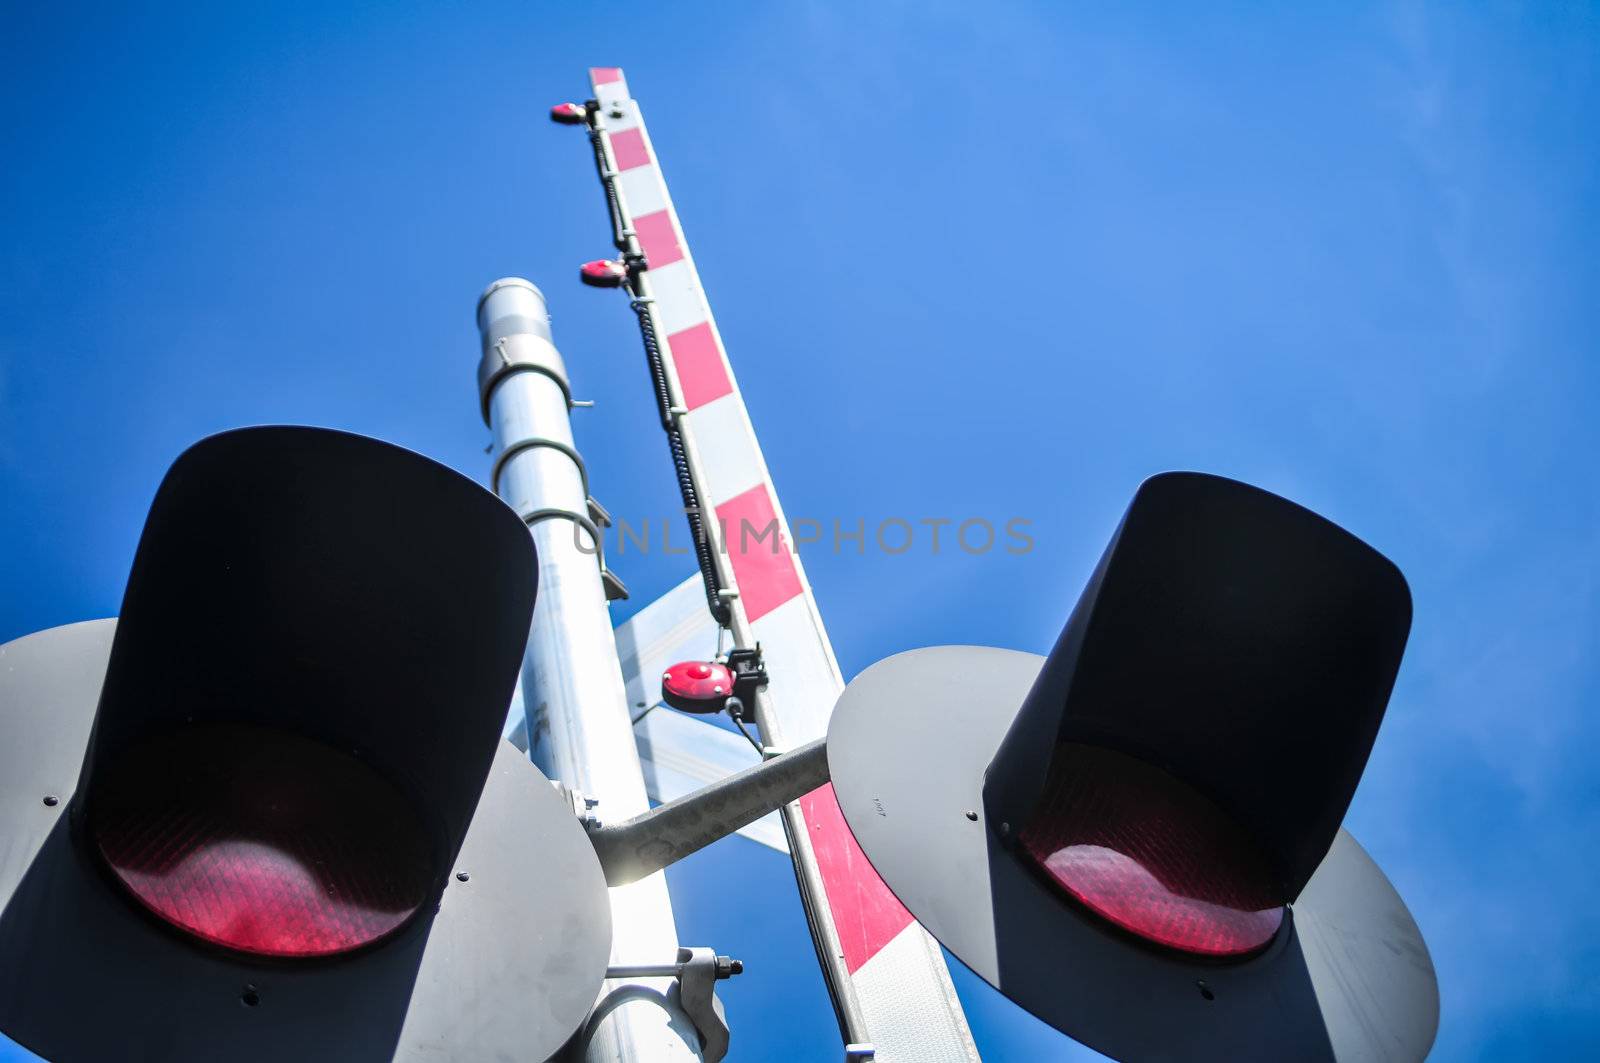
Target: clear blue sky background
<point>969,260</point>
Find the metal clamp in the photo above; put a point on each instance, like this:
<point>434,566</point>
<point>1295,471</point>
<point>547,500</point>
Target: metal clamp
<point>531,443</point>
<point>583,806</point>
<point>749,676</point>
<point>519,352</point>
<point>615,589</point>
<point>534,516</point>
<point>697,970</point>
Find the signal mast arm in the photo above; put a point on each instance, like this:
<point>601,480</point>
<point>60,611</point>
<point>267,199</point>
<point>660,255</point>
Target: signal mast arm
<point>645,844</point>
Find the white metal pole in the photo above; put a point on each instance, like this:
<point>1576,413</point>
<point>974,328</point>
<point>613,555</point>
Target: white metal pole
<point>579,729</point>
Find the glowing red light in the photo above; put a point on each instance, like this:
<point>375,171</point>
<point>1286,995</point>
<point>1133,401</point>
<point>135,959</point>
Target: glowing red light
<point>261,841</point>
<point>1151,855</point>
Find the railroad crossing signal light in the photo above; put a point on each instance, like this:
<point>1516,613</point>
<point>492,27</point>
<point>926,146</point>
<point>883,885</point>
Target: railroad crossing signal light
<point>267,814</point>
<point>1137,838</point>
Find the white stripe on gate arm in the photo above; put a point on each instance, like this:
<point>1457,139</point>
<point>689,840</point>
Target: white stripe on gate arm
<point>897,973</point>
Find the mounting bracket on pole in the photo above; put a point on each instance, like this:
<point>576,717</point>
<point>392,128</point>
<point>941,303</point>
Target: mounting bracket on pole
<point>645,844</point>
<point>749,676</point>
<point>698,970</point>
<point>596,519</point>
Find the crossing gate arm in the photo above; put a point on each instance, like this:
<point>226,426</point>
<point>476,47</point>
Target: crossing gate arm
<point>887,977</point>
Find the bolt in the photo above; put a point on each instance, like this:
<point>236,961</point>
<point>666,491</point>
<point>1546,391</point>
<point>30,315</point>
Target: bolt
<point>462,876</point>
<point>1205,990</point>
<point>51,800</point>
<point>972,815</point>
<point>250,997</point>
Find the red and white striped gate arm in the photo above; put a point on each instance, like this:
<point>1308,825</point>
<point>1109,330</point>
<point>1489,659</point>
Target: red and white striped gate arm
<point>885,968</point>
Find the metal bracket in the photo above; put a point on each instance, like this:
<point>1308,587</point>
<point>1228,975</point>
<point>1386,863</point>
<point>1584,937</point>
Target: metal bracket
<point>697,970</point>
<point>582,804</point>
<point>511,450</point>
<point>749,676</point>
<point>615,589</point>
<point>652,840</point>
<point>582,520</point>
<point>517,353</point>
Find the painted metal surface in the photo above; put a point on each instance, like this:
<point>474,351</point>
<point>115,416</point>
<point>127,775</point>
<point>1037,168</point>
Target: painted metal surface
<point>1347,979</point>
<point>478,979</point>
<point>578,725</point>
<point>891,985</point>
<point>667,833</point>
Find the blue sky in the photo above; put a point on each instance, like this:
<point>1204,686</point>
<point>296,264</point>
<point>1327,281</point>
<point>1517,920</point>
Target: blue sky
<point>991,261</point>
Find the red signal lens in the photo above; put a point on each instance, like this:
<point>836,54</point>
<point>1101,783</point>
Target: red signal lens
<point>261,841</point>
<point>1151,855</point>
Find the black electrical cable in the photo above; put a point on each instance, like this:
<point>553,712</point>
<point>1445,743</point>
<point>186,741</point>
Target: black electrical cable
<point>658,378</point>
<point>615,208</point>
<point>748,736</point>
<point>680,466</point>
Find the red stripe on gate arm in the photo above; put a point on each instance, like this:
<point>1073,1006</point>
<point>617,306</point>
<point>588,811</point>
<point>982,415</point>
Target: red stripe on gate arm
<point>660,243</point>
<point>627,147</point>
<point>762,563</point>
<point>866,915</point>
<point>605,75</point>
<point>701,374</point>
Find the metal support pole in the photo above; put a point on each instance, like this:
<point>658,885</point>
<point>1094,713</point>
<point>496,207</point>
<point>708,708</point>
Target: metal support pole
<point>664,835</point>
<point>579,730</point>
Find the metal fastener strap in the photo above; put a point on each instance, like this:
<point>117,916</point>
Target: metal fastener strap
<point>531,442</point>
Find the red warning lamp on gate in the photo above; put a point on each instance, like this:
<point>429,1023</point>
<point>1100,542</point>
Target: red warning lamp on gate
<point>700,687</point>
<point>568,114</point>
<point>603,273</point>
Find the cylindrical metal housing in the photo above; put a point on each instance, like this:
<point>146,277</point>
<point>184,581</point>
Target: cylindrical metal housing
<point>579,728</point>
